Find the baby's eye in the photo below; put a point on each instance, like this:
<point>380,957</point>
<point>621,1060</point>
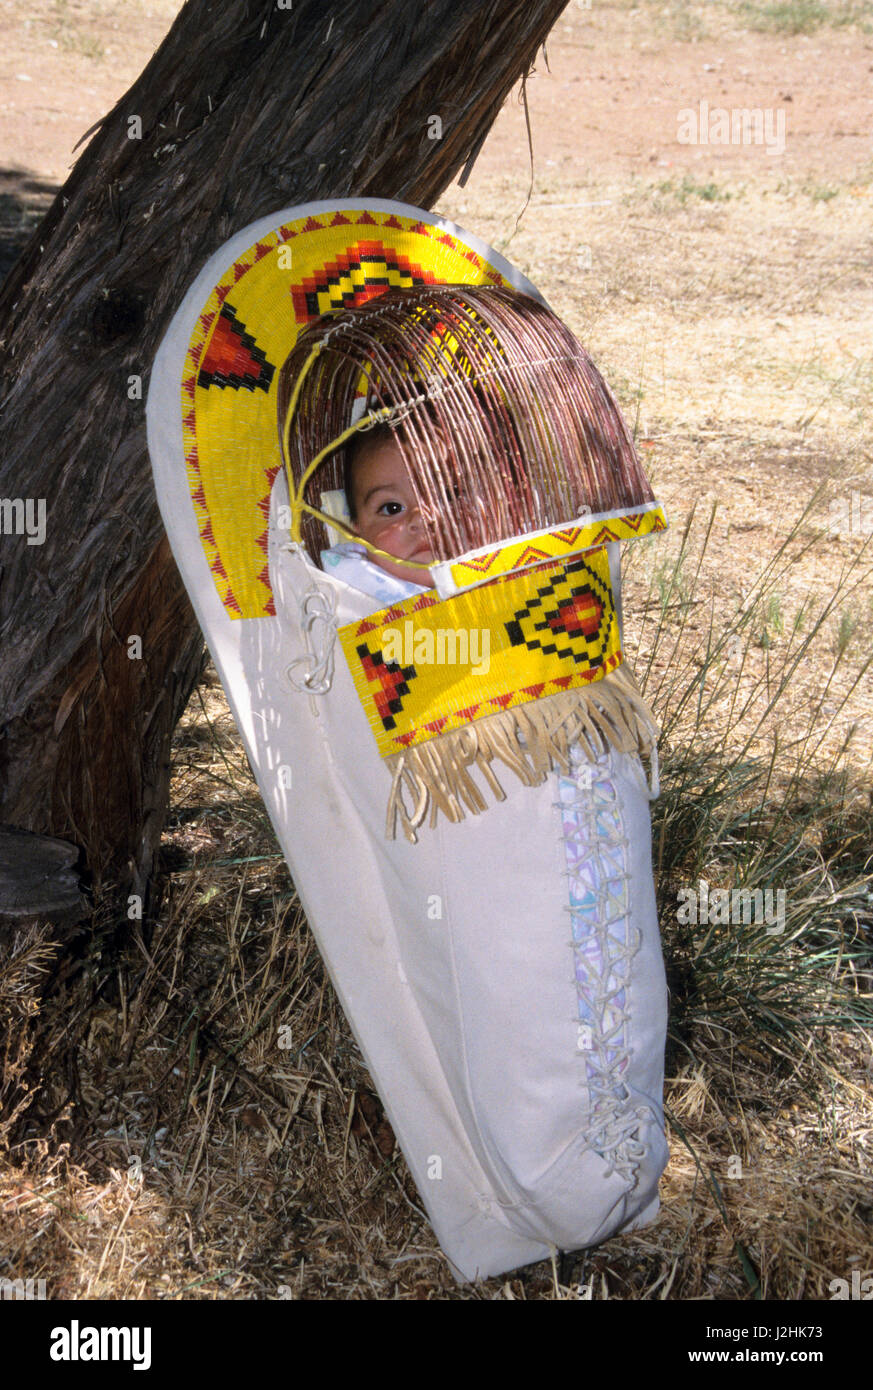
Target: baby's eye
<point>389,509</point>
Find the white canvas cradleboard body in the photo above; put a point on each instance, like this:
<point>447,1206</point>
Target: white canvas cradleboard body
<point>508,998</point>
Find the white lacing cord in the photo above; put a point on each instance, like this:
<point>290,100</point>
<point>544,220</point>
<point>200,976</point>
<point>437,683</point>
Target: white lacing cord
<point>317,616</point>
<point>617,1141</point>
<point>614,1127</point>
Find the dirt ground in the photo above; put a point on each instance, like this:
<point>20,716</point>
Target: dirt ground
<point>726,293</point>
<point>603,101</point>
<point>724,289</point>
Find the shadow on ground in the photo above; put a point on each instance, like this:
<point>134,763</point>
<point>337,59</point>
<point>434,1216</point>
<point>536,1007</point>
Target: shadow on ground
<point>24,200</point>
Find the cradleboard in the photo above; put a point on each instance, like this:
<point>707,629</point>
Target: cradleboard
<point>502,975</point>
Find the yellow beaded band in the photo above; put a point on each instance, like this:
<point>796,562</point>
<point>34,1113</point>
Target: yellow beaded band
<point>426,666</point>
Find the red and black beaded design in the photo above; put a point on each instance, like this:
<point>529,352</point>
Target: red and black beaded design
<point>391,683</point>
<point>363,272</point>
<point>233,358</point>
<point>570,617</point>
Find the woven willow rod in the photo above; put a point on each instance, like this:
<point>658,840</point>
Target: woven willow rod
<point>505,424</point>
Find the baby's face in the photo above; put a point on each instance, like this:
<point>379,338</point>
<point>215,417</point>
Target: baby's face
<point>387,512</point>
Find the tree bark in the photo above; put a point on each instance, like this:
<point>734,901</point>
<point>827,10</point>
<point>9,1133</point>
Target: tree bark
<point>244,109</point>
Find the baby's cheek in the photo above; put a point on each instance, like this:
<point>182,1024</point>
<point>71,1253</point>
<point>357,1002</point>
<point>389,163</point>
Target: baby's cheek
<point>388,535</point>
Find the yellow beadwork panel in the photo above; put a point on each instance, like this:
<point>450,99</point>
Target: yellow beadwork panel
<point>560,541</point>
<point>246,330</point>
<point>425,666</point>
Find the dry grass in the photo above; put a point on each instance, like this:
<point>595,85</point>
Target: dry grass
<point>200,1156</point>
<point>176,1142</point>
<point>197,1149</point>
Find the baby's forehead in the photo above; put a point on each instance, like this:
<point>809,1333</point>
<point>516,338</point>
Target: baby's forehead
<point>400,453</point>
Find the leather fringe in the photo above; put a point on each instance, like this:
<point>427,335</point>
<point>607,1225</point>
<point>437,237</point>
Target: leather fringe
<point>529,739</point>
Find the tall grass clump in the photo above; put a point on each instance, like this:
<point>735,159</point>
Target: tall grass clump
<point>765,793</point>
<point>791,17</point>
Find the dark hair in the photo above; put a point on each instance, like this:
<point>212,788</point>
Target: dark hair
<point>358,442</point>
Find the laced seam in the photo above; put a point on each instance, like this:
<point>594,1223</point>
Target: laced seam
<point>604,944</point>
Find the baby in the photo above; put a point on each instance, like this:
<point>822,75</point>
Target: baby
<point>384,511</point>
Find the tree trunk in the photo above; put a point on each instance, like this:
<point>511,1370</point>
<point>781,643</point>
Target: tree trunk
<point>247,107</point>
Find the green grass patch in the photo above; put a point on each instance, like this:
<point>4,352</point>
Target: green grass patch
<point>804,16</point>
<point>706,192</point>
